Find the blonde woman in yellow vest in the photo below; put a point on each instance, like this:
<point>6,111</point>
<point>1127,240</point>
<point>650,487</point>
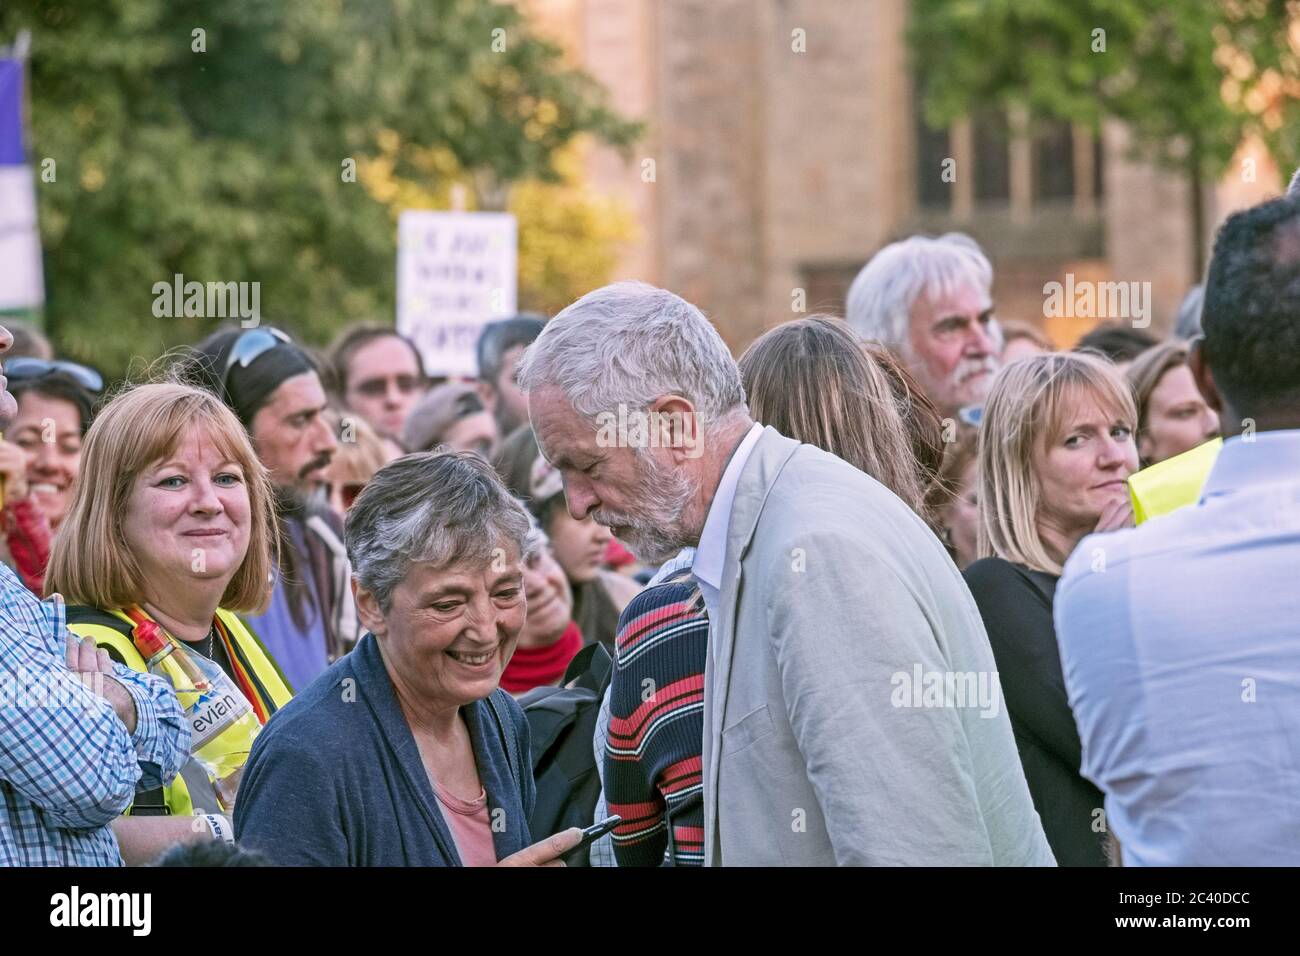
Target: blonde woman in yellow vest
<point>171,521</point>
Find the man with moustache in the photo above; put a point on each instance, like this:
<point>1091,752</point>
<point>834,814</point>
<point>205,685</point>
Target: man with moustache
<point>78,734</point>
<point>930,301</point>
<point>275,388</point>
<point>821,587</point>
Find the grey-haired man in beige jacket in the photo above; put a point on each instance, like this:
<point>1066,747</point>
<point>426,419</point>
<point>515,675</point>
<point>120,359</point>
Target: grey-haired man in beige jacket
<point>853,713</point>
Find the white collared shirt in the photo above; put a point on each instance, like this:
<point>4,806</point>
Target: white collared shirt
<point>1180,648</point>
<point>711,552</point>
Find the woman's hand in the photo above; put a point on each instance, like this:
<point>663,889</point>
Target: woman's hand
<point>1117,514</point>
<point>546,852</point>
<point>13,471</point>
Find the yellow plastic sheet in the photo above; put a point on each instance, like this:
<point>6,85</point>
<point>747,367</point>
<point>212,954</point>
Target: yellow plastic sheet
<point>1172,483</point>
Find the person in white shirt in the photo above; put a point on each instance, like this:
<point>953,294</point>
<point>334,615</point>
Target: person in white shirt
<point>1180,639</point>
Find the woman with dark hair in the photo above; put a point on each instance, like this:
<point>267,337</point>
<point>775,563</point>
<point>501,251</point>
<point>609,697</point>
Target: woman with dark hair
<point>1172,414</point>
<point>549,639</point>
<point>40,455</point>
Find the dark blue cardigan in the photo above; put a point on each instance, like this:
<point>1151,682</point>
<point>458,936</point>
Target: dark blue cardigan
<point>335,777</point>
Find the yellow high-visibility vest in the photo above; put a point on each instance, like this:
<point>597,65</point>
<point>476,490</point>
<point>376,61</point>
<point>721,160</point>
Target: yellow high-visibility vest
<point>258,678</point>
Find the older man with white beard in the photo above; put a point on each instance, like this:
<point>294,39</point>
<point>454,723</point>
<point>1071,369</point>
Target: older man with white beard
<point>822,588</point>
<point>930,301</point>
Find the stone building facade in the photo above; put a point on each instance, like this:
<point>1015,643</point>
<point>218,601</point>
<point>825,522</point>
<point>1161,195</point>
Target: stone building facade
<point>784,148</point>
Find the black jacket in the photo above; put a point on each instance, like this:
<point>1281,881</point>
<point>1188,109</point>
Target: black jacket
<point>1016,604</point>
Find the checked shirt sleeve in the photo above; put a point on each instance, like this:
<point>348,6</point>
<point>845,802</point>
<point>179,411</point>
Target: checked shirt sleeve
<point>61,746</point>
<point>162,732</point>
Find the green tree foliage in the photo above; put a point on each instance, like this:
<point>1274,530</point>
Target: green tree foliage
<point>222,155</point>
<point>1191,78</point>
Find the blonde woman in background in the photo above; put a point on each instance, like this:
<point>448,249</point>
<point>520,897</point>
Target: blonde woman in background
<point>1055,449</point>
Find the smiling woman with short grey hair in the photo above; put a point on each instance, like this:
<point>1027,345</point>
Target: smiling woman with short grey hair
<point>406,752</point>
<point>396,521</point>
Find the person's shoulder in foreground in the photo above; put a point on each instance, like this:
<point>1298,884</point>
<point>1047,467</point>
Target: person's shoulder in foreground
<point>851,589</point>
<point>1181,656</point>
<point>71,767</point>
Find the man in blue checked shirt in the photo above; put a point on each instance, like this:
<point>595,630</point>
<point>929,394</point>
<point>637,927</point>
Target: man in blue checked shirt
<point>78,733</point>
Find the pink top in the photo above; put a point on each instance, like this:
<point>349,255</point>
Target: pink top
<point>469,825</point>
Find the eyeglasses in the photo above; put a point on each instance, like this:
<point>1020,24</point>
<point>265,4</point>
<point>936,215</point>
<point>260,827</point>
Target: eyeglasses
<point>378,387</point>
<point>25,369</point>
<point>251,345</point>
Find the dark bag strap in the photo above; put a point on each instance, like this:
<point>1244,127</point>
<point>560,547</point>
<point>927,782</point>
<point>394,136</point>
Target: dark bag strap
<point>81,614</point>
<point>506,727</point>
<point>591,667</point>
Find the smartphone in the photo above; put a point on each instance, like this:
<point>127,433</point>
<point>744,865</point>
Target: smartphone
<point>594,832</point>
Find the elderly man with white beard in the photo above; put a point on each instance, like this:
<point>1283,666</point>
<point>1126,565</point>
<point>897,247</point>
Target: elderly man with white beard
<point>930,301</point>
<point>820,585</point>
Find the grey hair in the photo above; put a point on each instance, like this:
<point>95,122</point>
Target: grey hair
<point>880,299</point>
<point>1293,188</point>
<point>442,507</point>
<point>630,343</point>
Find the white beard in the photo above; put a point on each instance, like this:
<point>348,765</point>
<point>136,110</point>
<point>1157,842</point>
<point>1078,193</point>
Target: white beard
<point>655,533</point>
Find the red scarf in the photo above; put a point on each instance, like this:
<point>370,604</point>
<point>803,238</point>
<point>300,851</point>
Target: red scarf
<point>541,666</point>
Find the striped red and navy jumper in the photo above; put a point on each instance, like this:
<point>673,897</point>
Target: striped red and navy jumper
<point>656,727</point>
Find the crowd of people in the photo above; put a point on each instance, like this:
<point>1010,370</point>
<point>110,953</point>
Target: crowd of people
<point>874,593</point>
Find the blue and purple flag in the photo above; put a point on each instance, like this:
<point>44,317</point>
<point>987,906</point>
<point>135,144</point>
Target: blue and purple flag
<point>21,284</point>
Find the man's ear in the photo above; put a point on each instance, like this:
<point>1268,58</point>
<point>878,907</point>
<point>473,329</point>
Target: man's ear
<point>678,427</point>
<point>488,394</point>
<point>1204,377</point>
<point>368,610</point>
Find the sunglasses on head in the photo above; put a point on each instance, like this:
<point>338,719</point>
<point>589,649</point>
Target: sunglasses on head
<point>251,345</point>
<point>25,369</point>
